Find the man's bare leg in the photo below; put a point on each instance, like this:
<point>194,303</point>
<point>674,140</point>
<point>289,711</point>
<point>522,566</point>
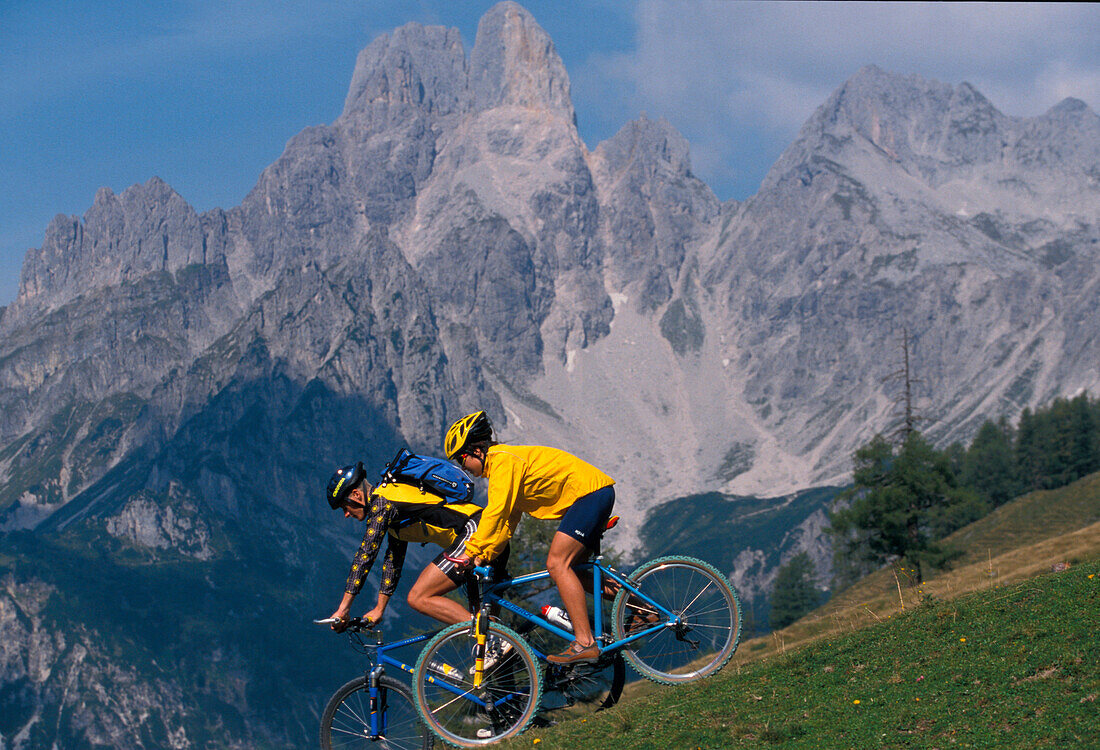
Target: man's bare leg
<point>427,597</point>
<point>564,552</point>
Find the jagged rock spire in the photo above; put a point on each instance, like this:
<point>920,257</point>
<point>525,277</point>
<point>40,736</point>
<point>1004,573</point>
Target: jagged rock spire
<point>416,67</point>
<point>514,63</point>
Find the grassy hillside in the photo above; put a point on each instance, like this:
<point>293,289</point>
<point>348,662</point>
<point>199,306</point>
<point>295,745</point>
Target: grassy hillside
<point>995,652</point>
<point>1006,667</point>
<point>1017,541</point>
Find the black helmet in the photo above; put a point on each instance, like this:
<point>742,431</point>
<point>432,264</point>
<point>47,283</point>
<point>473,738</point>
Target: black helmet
<point>472,428</point>
<point>342,482</point>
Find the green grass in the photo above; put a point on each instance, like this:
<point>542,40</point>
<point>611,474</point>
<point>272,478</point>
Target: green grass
<point>1031,518</point>
<point>1019,540</point>
<point>1006,667</point>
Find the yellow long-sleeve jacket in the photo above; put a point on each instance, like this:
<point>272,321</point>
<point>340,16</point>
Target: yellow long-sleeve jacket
<point>534,479</point>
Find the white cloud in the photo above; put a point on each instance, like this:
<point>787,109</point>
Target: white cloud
<point>718,70</point>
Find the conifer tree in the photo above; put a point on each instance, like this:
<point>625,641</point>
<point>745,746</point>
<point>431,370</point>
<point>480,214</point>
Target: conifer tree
<point>1027,451</point>
<point>794,594</point>
<point>1084,448</point>
<point>900,505</point>
<point>989,466</point>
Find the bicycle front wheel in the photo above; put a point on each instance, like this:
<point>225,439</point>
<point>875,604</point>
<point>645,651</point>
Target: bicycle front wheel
<point>468,716</point>
<point>345,723</point>
<point>699,635</point>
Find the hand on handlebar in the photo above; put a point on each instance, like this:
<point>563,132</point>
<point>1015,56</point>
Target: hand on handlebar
<point>372,618</point>
<point>338,620</point>
<point>340,624</point>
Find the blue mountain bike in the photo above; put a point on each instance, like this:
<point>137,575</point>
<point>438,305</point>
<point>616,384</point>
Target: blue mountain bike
<point>674,619</point>
<point>374,711</point>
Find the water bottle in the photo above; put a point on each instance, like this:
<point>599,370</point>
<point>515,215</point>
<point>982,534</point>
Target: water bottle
<point>444,669</point>
<point>557,616</point>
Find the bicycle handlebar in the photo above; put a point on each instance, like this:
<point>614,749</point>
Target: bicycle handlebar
<point>353,624</point>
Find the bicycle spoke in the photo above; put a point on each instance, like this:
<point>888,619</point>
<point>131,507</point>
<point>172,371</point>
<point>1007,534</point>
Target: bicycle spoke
<point>346,720</point>
<point>705,628</point>
<point>686,608</point>
<point>697,626</point>
<point>499,707</point>
<point>719,608</point>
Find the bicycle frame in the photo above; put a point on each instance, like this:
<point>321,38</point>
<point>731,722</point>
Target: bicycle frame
<point>377,720</point>
<point>493,594</point>
<point>600,573</point>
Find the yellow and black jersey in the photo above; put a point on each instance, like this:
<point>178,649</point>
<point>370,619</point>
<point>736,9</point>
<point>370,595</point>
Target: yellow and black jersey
<point>405,514</point>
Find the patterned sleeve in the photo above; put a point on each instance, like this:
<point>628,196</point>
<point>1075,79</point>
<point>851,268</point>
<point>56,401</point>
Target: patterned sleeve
<point>392,564</point>
<point>380,514</point>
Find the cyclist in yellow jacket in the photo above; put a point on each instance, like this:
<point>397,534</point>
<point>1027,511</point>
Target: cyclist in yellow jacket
<point>546,483</point>
<point>403,513</point>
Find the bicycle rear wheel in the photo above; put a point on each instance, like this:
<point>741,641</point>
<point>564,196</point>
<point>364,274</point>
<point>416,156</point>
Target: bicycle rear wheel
<point>702,633</point>
<point>345,723</point>
<point>467,716</point>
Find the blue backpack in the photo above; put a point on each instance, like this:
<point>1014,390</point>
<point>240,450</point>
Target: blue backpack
<point>432,475</point>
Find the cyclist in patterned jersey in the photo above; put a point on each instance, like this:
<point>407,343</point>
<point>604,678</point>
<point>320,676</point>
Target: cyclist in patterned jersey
<point>404,513</point>
<point>546,483</point>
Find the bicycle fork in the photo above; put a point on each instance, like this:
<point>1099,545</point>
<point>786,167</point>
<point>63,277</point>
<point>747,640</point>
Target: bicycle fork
<point>481,633</point>
<point>376,702</point>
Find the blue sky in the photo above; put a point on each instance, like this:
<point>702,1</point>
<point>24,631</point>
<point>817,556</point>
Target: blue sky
<point>205,94</point>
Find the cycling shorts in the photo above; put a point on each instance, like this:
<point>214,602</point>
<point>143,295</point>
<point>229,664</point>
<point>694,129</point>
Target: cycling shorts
<point>457,576</point>
<point>586,519</point>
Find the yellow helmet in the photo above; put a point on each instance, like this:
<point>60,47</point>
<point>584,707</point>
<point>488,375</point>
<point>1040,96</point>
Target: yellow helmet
<point>472,428</point>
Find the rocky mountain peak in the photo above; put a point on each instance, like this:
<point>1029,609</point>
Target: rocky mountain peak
<point>934,131</point>
<point>1071,107</point>
<point>514,63</point>
<point>417,67</point>
<point>648,145</point>
<point>146,228</point>
<point>653,207</point>
<point>1067,136</point>
<point>913,119</point>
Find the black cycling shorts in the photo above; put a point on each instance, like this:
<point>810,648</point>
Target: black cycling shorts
<point>586,519</point>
